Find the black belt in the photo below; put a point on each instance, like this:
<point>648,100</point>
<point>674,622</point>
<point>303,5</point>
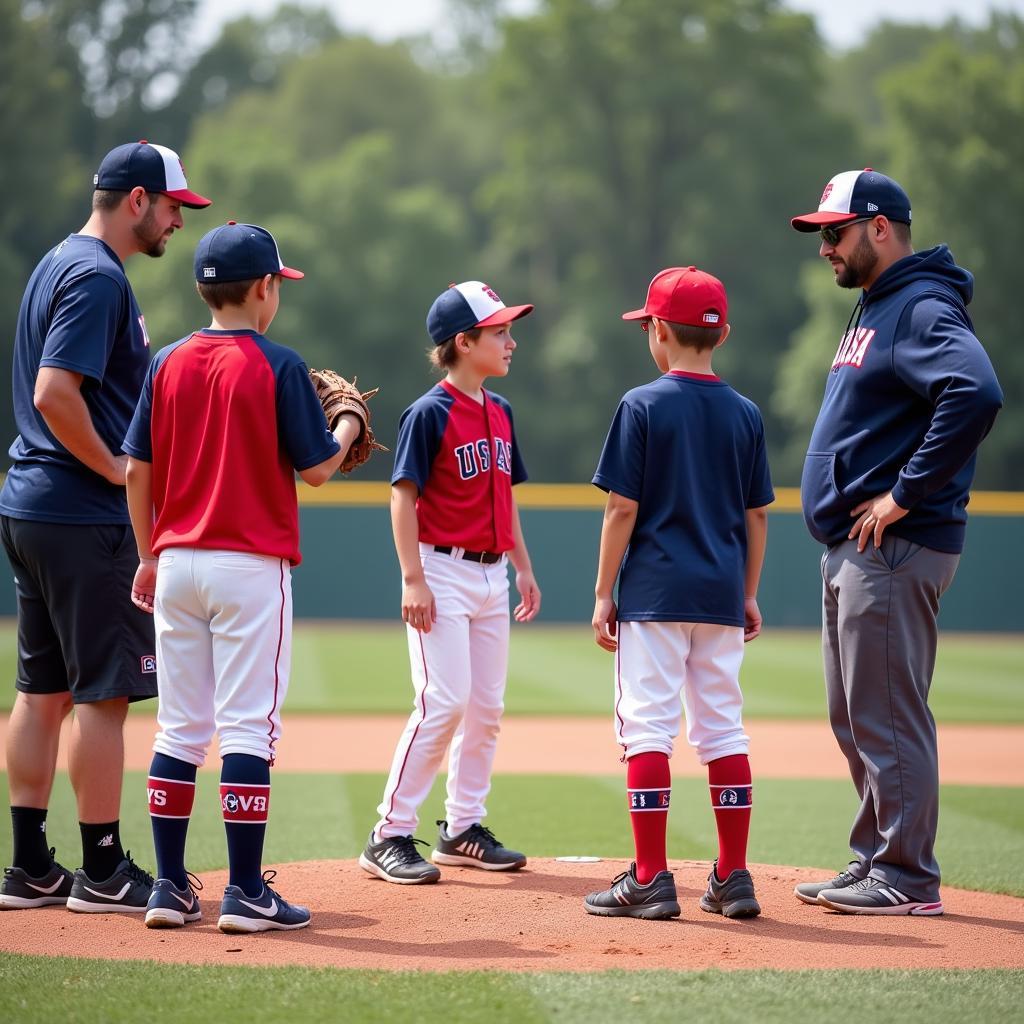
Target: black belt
<point>487,557</point>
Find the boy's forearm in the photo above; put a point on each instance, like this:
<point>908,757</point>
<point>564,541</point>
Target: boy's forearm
<point>406,531</point>
<point>519,556</point>
<point>619,520</point>
<point>757,541</point>
<point>139,489</point>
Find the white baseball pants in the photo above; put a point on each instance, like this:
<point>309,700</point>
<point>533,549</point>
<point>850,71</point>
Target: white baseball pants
<point>656,663</point>
<point>459,670</point>
<point>223,651</point>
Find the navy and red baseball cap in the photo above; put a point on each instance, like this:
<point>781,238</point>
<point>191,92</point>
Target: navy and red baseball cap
<point>853,194</point>
<point>461,307</point>
<point>146,165</point>
<point>685,295</point>
<point>239,252</point>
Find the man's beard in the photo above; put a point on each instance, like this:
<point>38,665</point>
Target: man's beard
<point>857,267</point>
<point>152,241</point>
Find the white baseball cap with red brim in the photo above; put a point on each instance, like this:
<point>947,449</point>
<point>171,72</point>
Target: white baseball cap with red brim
<point>854,194</point>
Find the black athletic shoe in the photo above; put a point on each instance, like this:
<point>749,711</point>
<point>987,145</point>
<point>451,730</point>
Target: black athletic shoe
<point>732,898</point>
<point>126,891</point>
<point>807,892</point>
<point>654,901</point>
<point>477,847</point>
<point>20,891</point>
<point>396,859</point>
<point>240,914</point>
<point>171,907</point>
<point>871,896</point>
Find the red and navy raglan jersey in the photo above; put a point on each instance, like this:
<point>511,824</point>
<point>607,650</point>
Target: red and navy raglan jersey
<point>226,417</point>
<point>464,459</point>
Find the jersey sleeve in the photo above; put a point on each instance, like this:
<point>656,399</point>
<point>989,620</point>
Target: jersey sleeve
<point>519,473</point>
<point>759,491</point>
<point>84,326</point>
<point>301,423</point>
<point>138,442</point>
<point>621,466</point>
<point>419,438</point>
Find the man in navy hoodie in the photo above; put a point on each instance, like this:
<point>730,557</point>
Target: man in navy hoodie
<point>910,396</point>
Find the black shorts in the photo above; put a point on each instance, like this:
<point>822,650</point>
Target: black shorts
<point>77,627</point>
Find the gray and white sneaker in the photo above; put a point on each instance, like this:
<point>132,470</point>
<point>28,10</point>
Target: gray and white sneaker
<point>21,891</point>
<point>872,896</point>
<point>126,891</point>
<point>654,901</point>
<point>476,847</point>
<point>171,907</point>
<point>240,914</point>
<point>396,859</point>
<point>732,898</point>
<point>807,892</point>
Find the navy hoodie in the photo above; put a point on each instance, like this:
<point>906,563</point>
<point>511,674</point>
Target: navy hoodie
<point>910,397</point>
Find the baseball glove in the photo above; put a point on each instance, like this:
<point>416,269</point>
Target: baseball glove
<point>337,396</point>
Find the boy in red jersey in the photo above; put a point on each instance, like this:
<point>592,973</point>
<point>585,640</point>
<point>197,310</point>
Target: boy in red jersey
<point>456,526</point>
<point>225,420</point>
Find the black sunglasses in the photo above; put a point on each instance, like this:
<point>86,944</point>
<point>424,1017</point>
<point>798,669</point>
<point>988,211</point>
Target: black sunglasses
<point>830,234</point>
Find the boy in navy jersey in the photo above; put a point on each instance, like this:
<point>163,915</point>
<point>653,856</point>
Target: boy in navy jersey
<point>456,527</point>
<point>687,478</point>
<point>225,420</point>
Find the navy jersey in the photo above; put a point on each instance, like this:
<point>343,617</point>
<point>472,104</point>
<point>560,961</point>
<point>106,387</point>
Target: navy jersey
<point>79,314</point>
<point>464,459</point>
<point>691,452</point>
<point>226,417</point>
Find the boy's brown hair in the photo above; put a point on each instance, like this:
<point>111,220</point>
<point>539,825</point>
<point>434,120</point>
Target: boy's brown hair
<point>225,293</point>
<point>702,339</point>
<point>444,356</point>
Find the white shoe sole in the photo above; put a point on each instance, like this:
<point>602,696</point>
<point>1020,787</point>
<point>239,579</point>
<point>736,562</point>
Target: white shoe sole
<point>84,907</point>
<point>30,902</point>
<point>904,910</point>
<point>375,869</point>
<point>164,917</point>
<point>457,860</point>
<point>234,924</point>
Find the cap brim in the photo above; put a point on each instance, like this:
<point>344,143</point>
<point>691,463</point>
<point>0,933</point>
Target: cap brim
<point>636,314</point>
<point>291,272</point>
<point>505,316</point>
<point>191,199</point>
<point>809,222</point>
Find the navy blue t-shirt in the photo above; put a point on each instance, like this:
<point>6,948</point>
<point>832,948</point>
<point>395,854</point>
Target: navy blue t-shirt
<point>691,452</point>
<point>79,314</point>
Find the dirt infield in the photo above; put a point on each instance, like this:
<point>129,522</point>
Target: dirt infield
<point>534,920</point>
<point>979,755</point>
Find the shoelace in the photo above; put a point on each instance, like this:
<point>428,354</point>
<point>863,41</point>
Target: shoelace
<point>136,873</point>
<point>194,884</point>
<point>405,847</point>
<point>268,876</point>
<point>482,834</point>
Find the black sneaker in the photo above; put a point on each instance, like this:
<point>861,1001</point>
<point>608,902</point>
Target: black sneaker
<point>21,891</point>
<point>477,847</point>
<point>171,907</point>
<point>396,859</point>
<point>732,898</point>
<point>807,892</point>
<point>126,891</point>
<point>654,901</point>
<point>241,914</point>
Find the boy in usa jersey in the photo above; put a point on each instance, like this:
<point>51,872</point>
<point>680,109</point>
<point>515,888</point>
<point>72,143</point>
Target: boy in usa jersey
<point>456,527</point>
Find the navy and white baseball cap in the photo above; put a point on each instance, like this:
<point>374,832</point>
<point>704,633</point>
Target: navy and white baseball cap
<point>239,252</point>
<point>146,165</point>
<point>470,304</point>
<point>853,194</point>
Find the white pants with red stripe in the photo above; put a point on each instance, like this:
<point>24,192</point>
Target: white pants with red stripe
<point>656,663</point>
<point>459,670</point>
<point>223,651</point>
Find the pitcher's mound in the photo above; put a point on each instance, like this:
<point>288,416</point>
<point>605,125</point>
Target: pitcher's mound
<point>533,920</point>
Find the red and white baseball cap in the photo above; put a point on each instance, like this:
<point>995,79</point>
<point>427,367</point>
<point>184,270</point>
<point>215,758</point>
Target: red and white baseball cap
<point>146,165</point>
<point>853,194</point>
<point>685,295</point>
<point>470,304</point>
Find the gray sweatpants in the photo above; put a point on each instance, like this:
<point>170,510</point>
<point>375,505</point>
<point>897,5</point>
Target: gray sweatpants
<point>879,637</point>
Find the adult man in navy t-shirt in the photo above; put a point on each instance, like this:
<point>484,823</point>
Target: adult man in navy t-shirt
<point>80,357</point>
<point>910,396</point>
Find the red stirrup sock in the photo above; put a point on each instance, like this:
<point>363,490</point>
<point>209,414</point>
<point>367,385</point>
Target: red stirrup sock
<point>648,787</point>
<point>731,797</point>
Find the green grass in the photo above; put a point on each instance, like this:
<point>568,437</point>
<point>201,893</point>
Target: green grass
<point>980,844</point>
<point>112,992</point>
<point>363,667</point>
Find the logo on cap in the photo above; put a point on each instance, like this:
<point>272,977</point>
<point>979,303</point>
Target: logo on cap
<point>711,318</point>
<point>209,271</point>
<point>826,193</point>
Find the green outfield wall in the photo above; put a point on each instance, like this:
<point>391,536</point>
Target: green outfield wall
<point>350,570</point>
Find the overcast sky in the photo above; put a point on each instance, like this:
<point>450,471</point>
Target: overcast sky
<point>843,24</point>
